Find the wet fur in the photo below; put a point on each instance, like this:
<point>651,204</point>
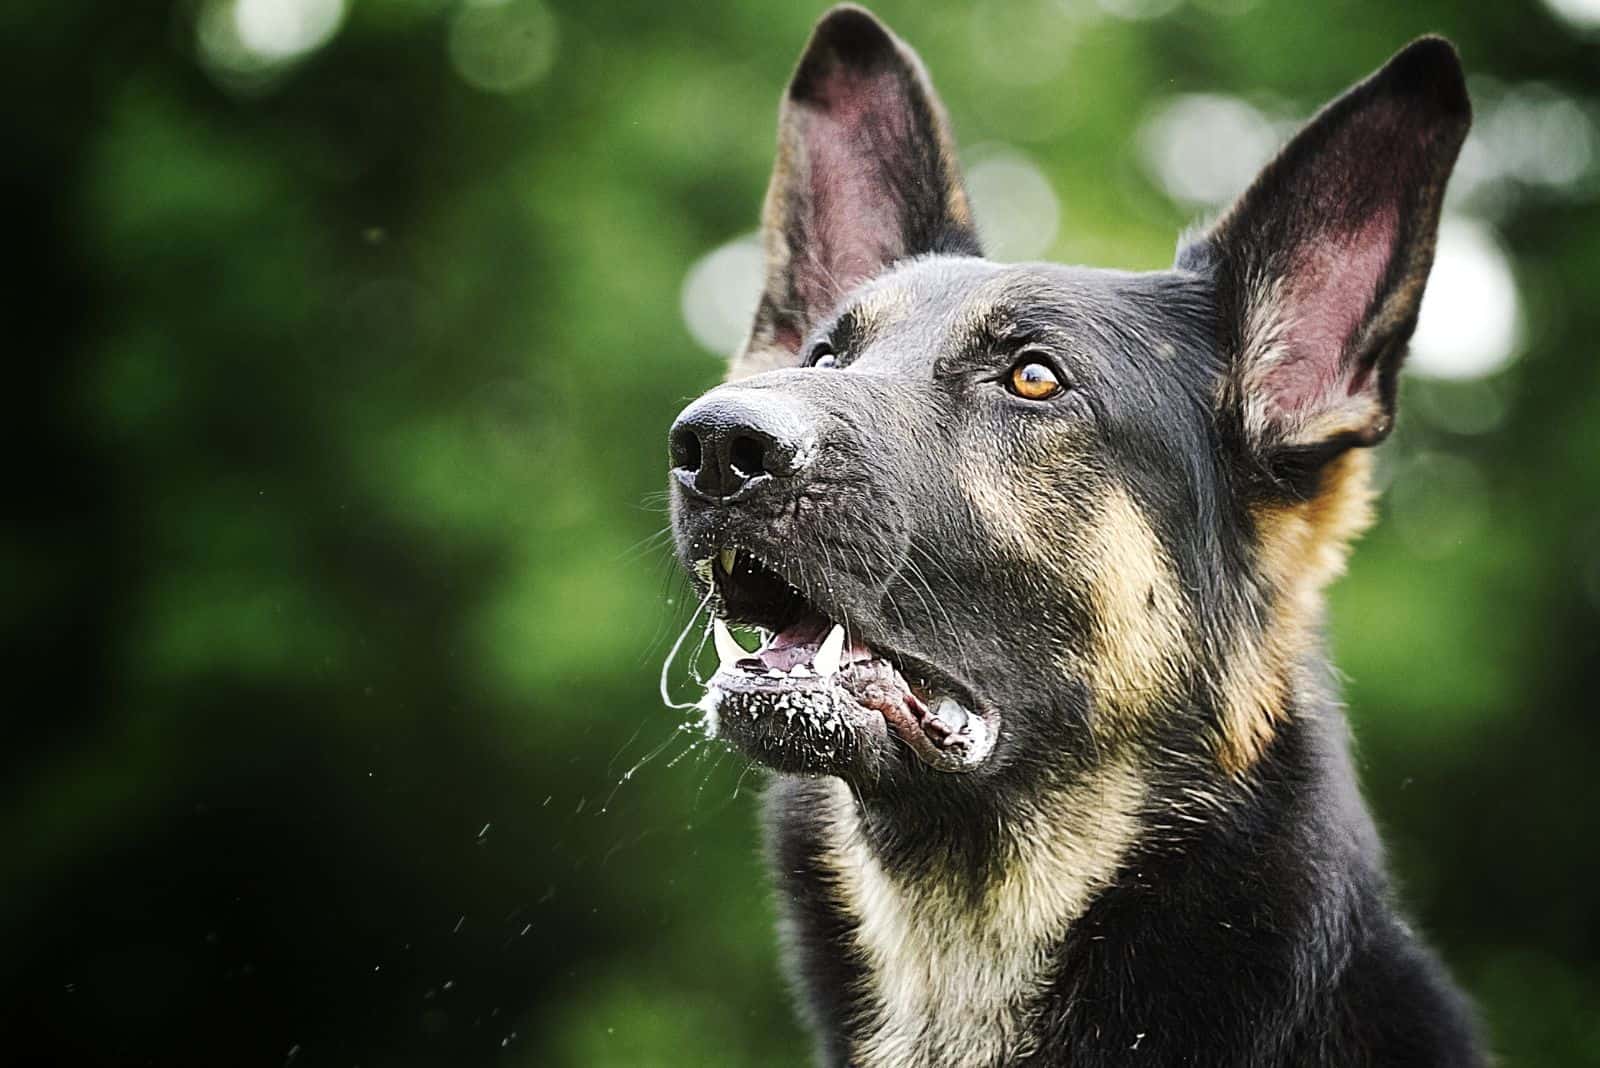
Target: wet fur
<point>1167,860</point>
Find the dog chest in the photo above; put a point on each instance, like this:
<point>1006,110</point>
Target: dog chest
<point>954,977</point>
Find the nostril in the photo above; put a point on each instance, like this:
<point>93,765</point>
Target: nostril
<point>685,447</point>
<point>745,456</point>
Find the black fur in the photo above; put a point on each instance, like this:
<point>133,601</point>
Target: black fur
<point>963,532</point>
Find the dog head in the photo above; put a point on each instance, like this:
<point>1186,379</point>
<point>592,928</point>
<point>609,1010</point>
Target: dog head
<point>995,519</point>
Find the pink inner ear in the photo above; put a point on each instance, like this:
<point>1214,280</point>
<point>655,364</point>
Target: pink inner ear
<point>858,135</point>
<point>1327,292</point>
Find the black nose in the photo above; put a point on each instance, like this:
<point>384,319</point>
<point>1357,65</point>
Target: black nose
<point>734,439</point>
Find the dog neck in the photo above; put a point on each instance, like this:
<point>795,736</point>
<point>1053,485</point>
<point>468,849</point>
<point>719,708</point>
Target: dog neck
<point>962,918</point>
<point>956,934</point>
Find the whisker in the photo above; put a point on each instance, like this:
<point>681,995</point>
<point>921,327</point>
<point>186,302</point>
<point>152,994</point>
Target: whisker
<point>655,501</point>
<point>646,544</point>
<point>915,577</point>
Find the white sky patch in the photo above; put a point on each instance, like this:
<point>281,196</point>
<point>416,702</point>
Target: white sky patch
<point>1017,211</point>
<point>1204,148</point>
<point>1470,318</point>
<point>720,293</point>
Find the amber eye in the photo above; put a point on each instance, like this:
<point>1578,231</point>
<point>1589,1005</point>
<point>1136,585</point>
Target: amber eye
<point>1032,380</point>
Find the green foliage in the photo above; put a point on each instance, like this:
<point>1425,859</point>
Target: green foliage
<point>337,572</point>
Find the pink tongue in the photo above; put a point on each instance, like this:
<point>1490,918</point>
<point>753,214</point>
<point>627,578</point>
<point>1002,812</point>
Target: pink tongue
<point>797,644</point>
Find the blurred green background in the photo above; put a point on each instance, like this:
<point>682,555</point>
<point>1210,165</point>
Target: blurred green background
<point>348,333</point>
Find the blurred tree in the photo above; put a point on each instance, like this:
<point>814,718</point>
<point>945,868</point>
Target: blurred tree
<point>346,338</point>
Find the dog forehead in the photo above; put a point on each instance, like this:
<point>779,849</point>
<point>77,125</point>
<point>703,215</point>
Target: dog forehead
<point>927,307</point>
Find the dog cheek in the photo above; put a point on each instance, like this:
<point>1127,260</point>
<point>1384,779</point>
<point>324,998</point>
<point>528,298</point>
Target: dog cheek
<point>1031,502</point>
<point>1300,548</point>
<point>1140,635</point>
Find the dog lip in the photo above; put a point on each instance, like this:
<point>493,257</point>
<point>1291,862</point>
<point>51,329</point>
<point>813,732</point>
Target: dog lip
<point>835,673</point>
<point>943,747</point>
<point>787,676</point>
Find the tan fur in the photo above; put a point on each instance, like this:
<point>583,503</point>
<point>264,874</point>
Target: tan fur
<point>1264,349</point>
<point>1022,504</point>
<point>1300,549</point>
<point>757,359</point>
<point>955,976</point>
<point>956,204</point>
<point>879,305</point>
<point>1141,641</point>
<point>1099,546</point>
<point>1002,506</point>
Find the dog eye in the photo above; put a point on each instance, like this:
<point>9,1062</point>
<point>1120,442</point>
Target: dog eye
<point>1034,380</point>
<point>822,355</point>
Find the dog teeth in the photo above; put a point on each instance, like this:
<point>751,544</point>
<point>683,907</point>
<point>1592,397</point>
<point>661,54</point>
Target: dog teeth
<point>948,711</point>
<point>727,558</point>
<point>826,662</point>
<point>800,671</point>
<point>729,651</point>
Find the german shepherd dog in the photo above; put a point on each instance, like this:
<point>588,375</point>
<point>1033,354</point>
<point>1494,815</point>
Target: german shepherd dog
<point>1037,553</point>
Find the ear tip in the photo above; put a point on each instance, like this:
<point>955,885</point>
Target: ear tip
<point>848,14</point>
<point>846,38</point>
<point>1430,68</point>
<point>852,33</point>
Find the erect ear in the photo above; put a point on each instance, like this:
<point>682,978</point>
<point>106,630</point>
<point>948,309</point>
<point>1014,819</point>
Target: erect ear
<point>866,175</point>
<point>1320,265</point>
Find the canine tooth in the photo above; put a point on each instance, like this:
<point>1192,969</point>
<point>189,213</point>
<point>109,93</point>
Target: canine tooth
<point>826,662</point>
<point>729,651</point>
<point>800,671</point>
<point>726,557</point>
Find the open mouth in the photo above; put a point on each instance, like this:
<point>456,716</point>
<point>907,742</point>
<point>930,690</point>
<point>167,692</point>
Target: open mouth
<point>814,692</point>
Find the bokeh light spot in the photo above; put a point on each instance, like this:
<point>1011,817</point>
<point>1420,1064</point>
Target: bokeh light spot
<point>1203,148</point>
<point>1540,136</point>
<point>1529,134</point>
<point>1017,211</point>
<point>720,294</point>
<point>1583,14</point>
<point>1469,321</point>
<point>503,46</point>
<point>248,45</point>
<point>281,30</point>
<point>1139,9</point>
<point>1022,43</point>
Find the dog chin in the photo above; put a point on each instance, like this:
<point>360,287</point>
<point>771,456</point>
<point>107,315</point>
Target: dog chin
<point>811,702</point>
